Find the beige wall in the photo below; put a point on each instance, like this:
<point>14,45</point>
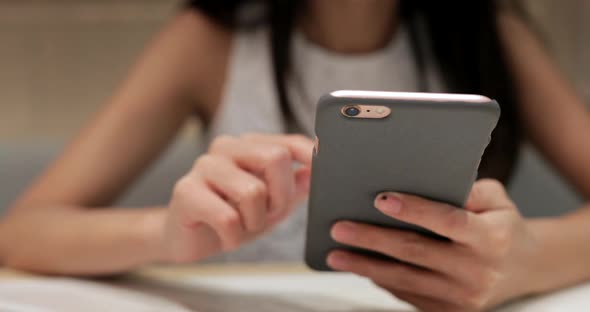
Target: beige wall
<point>59,60</point>
<point>566,25</point>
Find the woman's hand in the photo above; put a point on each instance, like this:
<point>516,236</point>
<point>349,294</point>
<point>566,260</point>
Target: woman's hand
<point>238,190</point>
<point>484,263</point>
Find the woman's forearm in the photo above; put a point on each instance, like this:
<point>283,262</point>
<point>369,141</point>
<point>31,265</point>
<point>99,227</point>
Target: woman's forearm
<point>564,253</point>
<point>80,241</point>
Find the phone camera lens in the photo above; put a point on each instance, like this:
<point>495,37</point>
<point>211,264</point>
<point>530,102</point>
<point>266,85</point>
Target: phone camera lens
<point>351,111</point>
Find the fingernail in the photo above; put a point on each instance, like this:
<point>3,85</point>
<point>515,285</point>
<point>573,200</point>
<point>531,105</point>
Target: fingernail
<point>389,203</point>
<point>344,231</point>
<point>338,260</point>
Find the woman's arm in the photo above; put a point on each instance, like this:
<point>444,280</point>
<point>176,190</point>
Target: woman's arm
<point>558,123</point>
<point>236,191</point>
<point>555,118</point>
<point>55,226</point>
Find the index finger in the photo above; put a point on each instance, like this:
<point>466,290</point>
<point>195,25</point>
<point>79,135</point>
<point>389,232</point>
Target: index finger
<point>454,223</point>
<point>300,147</point>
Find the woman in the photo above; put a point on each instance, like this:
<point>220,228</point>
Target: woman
<point>217,61</point>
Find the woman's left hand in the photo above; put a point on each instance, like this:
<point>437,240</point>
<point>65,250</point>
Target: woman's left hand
<point>484,263</point>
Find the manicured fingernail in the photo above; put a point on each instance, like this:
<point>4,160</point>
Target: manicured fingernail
<point>338,260</point>
<point>389,203</point>
<point>344,231</point>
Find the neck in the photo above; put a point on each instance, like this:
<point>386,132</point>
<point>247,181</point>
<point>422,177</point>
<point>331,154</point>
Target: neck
<point>352,26</point>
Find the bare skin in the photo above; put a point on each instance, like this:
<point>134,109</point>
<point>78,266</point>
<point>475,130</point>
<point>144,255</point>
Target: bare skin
<point>233,195</point>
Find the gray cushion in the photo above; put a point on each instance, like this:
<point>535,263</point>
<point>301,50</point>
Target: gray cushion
<point>21,162</point>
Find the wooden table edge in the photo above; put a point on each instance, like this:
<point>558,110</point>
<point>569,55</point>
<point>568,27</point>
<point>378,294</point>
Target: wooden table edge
<point>181,271</point>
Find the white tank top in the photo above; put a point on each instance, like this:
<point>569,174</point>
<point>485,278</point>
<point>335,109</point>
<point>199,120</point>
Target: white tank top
<point>250,104</point>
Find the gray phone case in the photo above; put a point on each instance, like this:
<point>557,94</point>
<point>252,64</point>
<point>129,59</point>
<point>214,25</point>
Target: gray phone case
<point>430,145</point>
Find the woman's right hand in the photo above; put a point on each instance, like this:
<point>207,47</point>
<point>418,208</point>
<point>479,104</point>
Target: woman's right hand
<point>239,189</point>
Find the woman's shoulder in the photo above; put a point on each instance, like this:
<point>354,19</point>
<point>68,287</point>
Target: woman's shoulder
<point>201,47</point>
<point>214,54</point>
<point>200,26</point>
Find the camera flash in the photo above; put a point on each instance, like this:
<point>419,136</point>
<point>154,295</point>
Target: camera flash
<point>380,110</point>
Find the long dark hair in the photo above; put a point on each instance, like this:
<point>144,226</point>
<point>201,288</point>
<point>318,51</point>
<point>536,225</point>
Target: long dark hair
<point>463,38</point>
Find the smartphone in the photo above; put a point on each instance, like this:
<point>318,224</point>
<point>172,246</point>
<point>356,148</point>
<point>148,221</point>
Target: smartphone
<point>367,142</point>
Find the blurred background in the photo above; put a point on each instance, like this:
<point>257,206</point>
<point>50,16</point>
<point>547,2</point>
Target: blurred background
<point>61,59</point>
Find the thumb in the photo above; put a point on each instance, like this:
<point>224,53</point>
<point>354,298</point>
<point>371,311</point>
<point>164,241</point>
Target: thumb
<point>302,183</point>
<point>487,195</point>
